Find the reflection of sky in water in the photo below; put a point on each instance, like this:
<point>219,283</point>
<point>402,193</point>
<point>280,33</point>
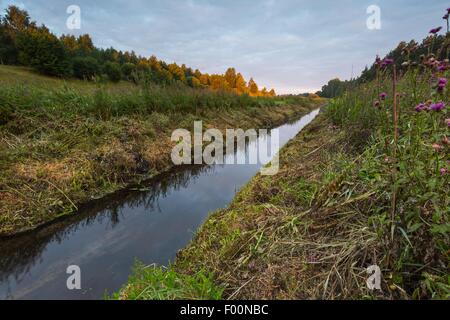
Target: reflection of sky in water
<point>105,239</point>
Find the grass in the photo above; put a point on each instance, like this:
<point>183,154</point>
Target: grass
<point>66,142</point>
<point>151,283</point>
<point>348,196</point>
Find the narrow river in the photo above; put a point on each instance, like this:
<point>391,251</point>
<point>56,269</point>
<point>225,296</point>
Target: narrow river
<point>150,224</point>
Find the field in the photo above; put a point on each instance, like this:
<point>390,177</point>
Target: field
<point>65,142</point>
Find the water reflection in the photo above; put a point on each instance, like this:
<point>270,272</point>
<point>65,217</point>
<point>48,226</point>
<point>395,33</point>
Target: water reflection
<point>106,236</point>
<point>14,260</point>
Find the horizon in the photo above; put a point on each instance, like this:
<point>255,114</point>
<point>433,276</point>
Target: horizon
<point>270,47</point>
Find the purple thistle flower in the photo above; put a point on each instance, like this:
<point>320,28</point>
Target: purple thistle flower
<point>437,106</point>
<point>420,107</point>
<point>448,122</point>
<point>442,67</point>
<point>386,61</point>
<point>435,30</point>
<point>376,104</point>
<point>445,17</point>
<point>448,10</point>
<point>441,84</point>
<point>383,96</point>
<point>443,171</point>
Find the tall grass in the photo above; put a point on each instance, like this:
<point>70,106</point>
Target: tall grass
<point>410,147</point>
<point>17,100</point>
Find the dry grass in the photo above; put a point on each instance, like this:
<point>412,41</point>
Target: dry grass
<point>272,244</point>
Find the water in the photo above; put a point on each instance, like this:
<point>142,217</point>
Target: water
<point>150,224</point>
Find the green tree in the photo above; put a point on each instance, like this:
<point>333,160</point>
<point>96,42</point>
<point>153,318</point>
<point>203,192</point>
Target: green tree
<point>128,69</point>
<point>43,51</point>
<point>113,71</point>
<point>8,51</point>
<point>85,68</point>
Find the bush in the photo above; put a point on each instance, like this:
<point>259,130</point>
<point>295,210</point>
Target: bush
<point>127,70</point>
<point>85,67</point>
<point>113,71</point>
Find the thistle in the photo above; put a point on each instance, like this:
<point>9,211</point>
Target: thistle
<point>437,106</point>
<point>420,107</point>
<point>435,30</point>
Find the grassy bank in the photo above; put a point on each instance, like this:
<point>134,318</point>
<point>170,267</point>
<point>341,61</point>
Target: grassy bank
<point>63,143</point>
<point>364,184</point>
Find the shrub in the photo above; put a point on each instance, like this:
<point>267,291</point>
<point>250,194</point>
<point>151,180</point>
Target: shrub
<point>127,70</point>
<point>113,71</point>
<point>85,67</point>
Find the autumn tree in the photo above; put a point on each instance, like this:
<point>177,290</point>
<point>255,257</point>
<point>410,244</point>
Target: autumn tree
<point>16,21</point>
<point>85,44</point>
<point>230,77</point>
<point>253,87</point>
<point>70,43</point>
<point>177,72</point>
<point>240,84</point>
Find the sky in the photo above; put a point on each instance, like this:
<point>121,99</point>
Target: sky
<point>293,46</point>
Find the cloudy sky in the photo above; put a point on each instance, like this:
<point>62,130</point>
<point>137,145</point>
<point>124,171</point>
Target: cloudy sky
<point>290,45</point>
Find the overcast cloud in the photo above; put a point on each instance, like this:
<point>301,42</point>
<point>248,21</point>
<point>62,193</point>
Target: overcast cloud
<point>290,45</point>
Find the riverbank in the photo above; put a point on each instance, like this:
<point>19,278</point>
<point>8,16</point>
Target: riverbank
<point>253,249</point>
<point>311,231</point>
<point>66,143</point>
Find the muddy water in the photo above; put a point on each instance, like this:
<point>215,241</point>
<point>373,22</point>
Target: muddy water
<point>149,224</point>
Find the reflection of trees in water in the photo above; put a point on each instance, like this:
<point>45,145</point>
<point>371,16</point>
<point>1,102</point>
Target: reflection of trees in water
<point>19,254</point>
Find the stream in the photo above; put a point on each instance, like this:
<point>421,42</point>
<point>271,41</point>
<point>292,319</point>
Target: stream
<point>150,223</point>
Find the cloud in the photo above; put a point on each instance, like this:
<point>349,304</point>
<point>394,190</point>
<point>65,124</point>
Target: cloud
<point>291,45</point>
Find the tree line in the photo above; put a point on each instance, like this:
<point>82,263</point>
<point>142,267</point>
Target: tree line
<point>23,42</point>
